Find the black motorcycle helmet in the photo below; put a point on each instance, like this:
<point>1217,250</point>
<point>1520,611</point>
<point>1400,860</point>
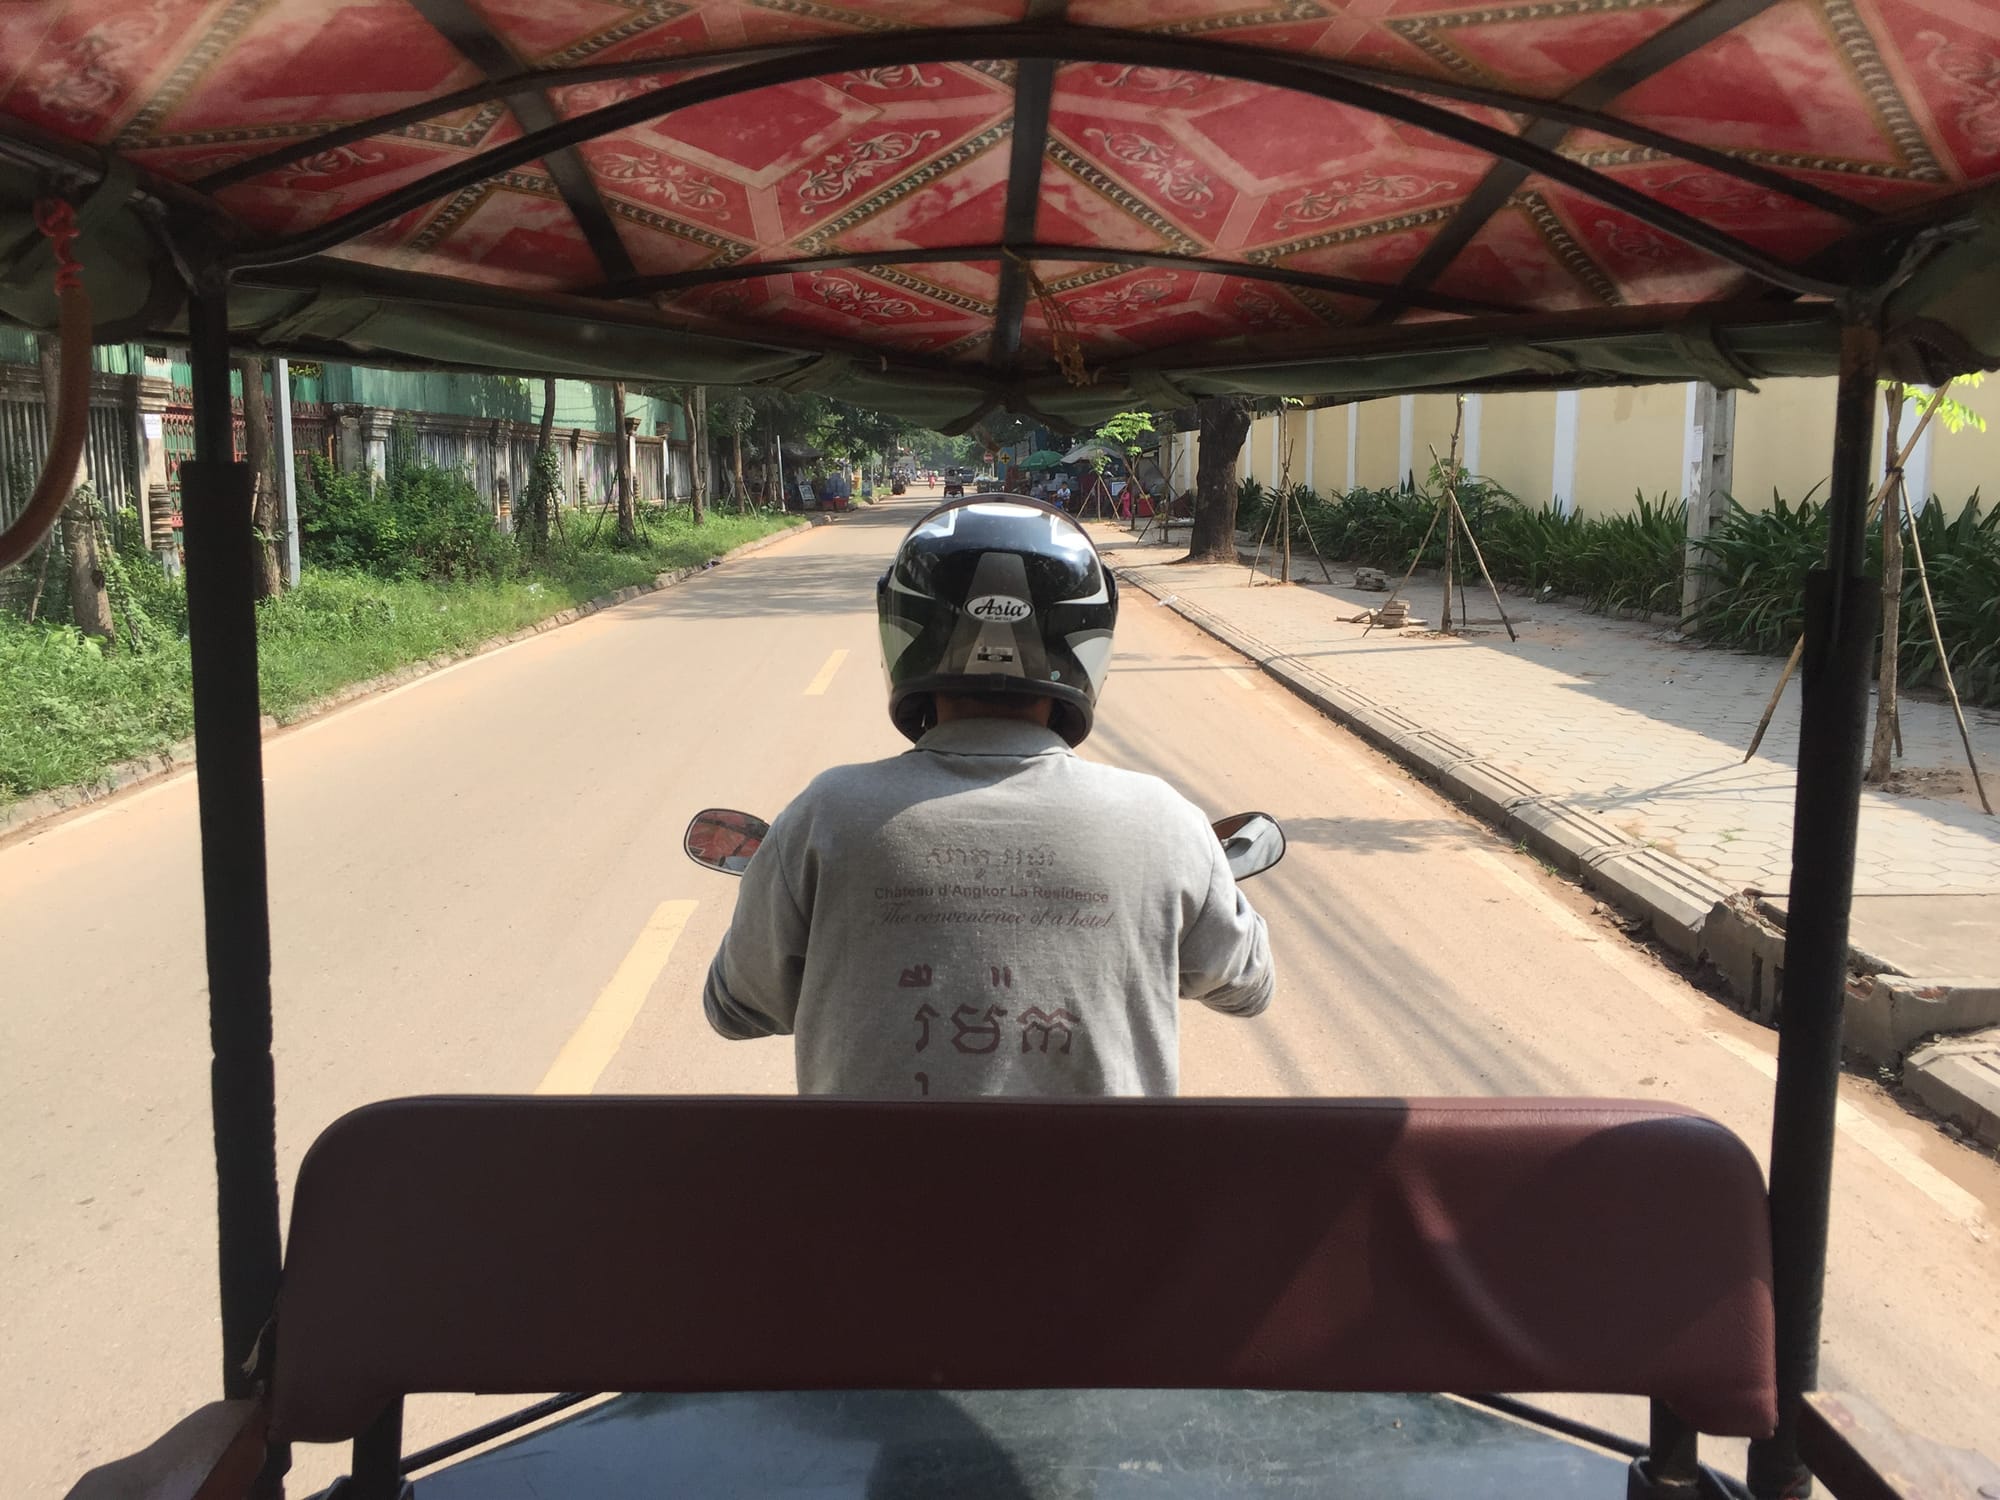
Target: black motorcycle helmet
<point>996,595</point>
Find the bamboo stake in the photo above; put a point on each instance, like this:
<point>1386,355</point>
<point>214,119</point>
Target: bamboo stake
<point>1894,503</point>
<point>1791,666</point>
<point>1890,476</point>
<point>1480,557</point>
<point>1257,558</point>
<point>1458,512</point>
<point>1944,666</point>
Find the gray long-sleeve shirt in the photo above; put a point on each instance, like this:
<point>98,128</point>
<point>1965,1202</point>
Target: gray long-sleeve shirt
<point>986,914</point>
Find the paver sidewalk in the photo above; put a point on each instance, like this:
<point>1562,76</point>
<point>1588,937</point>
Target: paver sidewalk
<point>1619,752</point>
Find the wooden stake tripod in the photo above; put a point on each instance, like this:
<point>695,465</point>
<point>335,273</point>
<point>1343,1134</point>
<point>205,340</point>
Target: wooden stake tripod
<point>1450,511</point>
<point>1283,514</point>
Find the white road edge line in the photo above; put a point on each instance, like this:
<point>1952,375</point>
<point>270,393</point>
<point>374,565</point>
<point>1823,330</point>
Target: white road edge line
<point>1878,1142</point>
<point>1881,1145</point>
<point>820,683</point>
<point>592,1046</point>
<point>1240,678</point>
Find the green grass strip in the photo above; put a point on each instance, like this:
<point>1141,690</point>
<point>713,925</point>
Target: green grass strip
<point>70,710</point>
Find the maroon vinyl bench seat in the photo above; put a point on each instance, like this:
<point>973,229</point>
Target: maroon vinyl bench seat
<point>664,1244</point>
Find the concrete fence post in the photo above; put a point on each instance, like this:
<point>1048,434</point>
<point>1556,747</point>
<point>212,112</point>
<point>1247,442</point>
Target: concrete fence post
<point>350,453</point>
<point>1711,448</point>
<point>376,426</point>
<point>154,392</point>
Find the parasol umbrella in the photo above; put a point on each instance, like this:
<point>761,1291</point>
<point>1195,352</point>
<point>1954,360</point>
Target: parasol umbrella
<point>1090,453</point>
<point>1041,458</point>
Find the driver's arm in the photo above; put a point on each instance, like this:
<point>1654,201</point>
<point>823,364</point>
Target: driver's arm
<point>753,984</point>
<point>1225,952</point>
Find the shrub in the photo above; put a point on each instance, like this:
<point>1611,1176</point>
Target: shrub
<point>68,708</point>
<point>1757,562</point>
<point>1963,558</point>
<point>1621,562</point>
<point>421,520</point>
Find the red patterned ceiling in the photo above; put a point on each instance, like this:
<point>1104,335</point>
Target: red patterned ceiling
<point>1889,104</point>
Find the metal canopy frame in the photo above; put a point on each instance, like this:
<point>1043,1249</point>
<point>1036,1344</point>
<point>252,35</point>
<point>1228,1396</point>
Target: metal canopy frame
<point>213,250</point>
<point>1050,46</point>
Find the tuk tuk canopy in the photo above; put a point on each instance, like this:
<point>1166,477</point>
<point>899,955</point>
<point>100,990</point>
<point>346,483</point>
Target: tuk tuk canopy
<point>939,207</point>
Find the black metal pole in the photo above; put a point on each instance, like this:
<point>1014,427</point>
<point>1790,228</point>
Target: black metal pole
<point>1841,611</point>
<point>229,780</point>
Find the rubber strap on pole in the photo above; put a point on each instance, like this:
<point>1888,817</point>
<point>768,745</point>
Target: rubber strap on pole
<point>56,219</point>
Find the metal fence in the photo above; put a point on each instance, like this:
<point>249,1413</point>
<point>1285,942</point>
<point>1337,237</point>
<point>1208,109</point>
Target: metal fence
<point>485,452</point>
<point>111,454</point>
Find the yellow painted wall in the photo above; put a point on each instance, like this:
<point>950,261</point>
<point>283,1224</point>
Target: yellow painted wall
<point>1970,460</point>
<point>1329,468</point>
<point>1257,451</point>
<point>1784,440</point>
<point>1292,447</point>
<point>1629,438</point>
<point>1379,434</point>
<point>1517,444</point>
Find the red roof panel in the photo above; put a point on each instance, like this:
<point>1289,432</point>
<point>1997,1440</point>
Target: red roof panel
<point>1174,141</point>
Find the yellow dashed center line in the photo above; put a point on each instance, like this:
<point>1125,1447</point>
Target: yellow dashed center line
<point>589,1051</point>
<point>819,683</point>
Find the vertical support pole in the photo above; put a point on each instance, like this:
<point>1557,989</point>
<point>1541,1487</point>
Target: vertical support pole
<point>1671,1469</point>
<point>378,1459</point>
<point>229,781</point>
<point>1840,632</point>
<point>287,466</point>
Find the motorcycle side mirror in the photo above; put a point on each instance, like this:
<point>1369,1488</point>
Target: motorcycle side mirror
<point>1252,842</point>
<point>720,838</point>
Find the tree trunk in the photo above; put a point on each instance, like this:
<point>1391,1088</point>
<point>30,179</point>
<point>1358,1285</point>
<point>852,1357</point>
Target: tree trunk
<point>628,521</point>
<point>270,573</point>
<point>1880,754</point>
<point>742,499</point>
<point>540,492</point>
<point>695,405</point>
<point>89,599</point>
<point>1225,422</point>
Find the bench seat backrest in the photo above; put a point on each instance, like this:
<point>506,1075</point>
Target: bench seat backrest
<point>653,1244</point>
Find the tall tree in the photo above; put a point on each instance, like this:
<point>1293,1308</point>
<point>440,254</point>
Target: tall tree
<point>264,506</point>
<point>89,598</point>
<point>538,496</point>
<point>739,412</point>
<point>1225,422</point>
<point>694,405</point>
<point>628,521</point>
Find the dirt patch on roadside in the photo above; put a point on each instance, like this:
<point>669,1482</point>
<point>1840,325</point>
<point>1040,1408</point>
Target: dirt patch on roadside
<point>1940,783</point>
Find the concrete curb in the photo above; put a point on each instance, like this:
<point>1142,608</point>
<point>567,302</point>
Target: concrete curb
<point>1676,901</point>
<point>32,813</point>
<point>1959,1077</point>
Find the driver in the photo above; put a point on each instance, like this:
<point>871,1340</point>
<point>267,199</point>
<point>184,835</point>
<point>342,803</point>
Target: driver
<point>988,913</point>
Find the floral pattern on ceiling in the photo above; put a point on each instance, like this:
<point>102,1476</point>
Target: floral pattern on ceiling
<point>1889,104</point>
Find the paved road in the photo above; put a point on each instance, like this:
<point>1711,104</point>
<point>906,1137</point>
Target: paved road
<point>465,869</point>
